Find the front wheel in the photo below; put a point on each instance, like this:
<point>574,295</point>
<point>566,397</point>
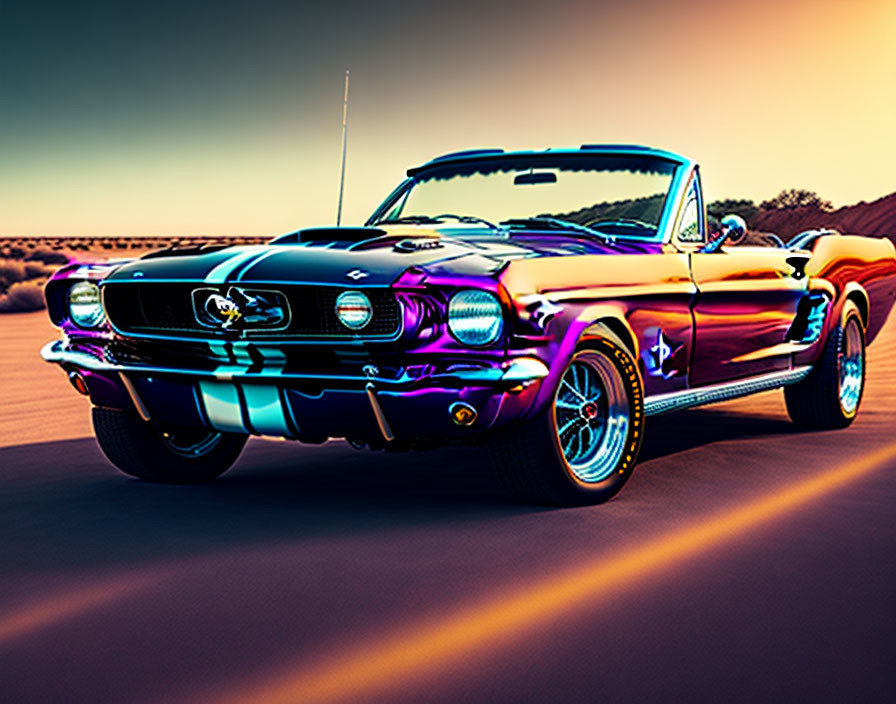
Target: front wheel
<point>581,448</point>
<point>829,397</point>
<point>166,455</point>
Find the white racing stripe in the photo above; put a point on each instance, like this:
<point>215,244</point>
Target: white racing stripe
<point>274,358</point>
<point>261,257</point>
<point>222,406</point>
<point>220,273</point>
<point>226,372</point>
<point>261,404</point>
<point>263,407</point>
<point>266,415</point>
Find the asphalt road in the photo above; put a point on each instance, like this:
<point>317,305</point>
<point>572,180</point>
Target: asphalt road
<point>742,562</point>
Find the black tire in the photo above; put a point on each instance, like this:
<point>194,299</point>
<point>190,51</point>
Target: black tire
<point>828,398</point>
<point>529,458</point>
<point>169,456</point>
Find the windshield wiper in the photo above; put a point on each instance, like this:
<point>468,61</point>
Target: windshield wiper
<point>626,222</point>
<point>441,217</point>
<point>558,224</point>
<point>474,219</point>
<point>410,219</point>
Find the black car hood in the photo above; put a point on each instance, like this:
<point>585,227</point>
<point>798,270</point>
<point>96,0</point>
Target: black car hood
<point>375,262</point>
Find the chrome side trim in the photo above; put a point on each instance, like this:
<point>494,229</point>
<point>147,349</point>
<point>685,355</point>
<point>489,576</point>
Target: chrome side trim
<point>678,400</point>
<point>265,410</point>
<point>779,350</point>
<point>135,397</point>
<point>222,406</point>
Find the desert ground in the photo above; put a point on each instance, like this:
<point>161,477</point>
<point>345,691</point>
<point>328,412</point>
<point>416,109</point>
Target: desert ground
<point>743,562</point>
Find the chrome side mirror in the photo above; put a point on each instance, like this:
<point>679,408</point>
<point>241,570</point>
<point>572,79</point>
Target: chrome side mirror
<point>733,229</point>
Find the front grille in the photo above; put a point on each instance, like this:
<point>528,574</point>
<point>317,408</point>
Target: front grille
<point>175,354</point>
<point>166,309</point>
<point>252,357</point>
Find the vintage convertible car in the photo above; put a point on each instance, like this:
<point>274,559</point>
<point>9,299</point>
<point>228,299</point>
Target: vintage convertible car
<point>539,303</point>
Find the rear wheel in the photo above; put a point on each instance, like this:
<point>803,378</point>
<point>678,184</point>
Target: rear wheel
<point>581,448</point>
<point>830,396</point>
<point>168,455</point>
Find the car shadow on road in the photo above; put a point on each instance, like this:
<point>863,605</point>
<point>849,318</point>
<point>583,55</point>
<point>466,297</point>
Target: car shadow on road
<point>63,506</point>
<point>677,432</point>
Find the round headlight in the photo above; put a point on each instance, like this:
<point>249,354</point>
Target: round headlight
<point>353,309</point>
<point>474,317</point>
<point>84,305</point>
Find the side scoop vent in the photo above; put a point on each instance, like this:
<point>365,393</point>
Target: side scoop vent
<point>811,313</point>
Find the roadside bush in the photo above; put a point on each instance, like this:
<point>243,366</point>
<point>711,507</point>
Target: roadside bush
<point>36,270</point>
<point>11,272</point>
<point>23,296</point>
<point>791,198</point>
<point>747,209</point>
<point>47,256</point>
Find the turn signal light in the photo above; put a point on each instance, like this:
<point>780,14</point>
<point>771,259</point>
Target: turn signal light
<point>462,413</point>
<point>78,382</point>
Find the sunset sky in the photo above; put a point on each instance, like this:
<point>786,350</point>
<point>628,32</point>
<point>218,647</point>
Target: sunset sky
<point>225,118</point>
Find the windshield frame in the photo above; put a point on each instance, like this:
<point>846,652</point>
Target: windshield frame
<point>682,168</point>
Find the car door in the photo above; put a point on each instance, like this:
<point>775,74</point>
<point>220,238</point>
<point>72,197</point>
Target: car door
<point>746,301</point>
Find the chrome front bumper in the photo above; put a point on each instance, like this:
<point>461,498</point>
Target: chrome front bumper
<point>519,372</point>
<point>272,401</point>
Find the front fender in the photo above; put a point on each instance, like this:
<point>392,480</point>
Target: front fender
<point>590,321</point>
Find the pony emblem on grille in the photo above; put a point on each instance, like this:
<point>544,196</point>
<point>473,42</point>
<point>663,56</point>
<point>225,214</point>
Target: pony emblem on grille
<point>222,309</point>
<point>239,308</point>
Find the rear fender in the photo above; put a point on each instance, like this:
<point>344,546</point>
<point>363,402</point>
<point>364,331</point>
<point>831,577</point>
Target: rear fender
<point>852,292</point>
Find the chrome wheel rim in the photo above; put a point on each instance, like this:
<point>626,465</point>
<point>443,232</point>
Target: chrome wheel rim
<point>190,442</point>
<point>591,414</point>
<point>851,362</point>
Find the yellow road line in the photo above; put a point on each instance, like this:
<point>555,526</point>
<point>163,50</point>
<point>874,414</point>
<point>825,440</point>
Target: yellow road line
<point>427,646</point>
<point>45,614</point>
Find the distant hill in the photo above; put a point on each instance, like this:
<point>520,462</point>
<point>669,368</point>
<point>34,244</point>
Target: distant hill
<point>876,218</point>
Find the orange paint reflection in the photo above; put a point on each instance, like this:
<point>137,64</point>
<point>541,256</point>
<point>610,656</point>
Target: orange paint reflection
<point>47,613</point>
<point>429,646</point>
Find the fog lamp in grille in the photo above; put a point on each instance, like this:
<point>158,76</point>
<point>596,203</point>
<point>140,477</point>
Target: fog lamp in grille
<point>353,310</point>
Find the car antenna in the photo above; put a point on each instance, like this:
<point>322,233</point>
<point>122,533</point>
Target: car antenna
<point>344,144</point>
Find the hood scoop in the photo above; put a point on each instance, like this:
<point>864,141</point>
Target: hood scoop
<point>329,234</point>
<point>417,244</point>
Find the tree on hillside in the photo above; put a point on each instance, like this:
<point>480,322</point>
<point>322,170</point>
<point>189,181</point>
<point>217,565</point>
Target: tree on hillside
<point>747,209</point>
<point>791,198</point>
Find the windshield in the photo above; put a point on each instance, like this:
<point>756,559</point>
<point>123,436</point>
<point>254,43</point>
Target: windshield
<point>618,195</point>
